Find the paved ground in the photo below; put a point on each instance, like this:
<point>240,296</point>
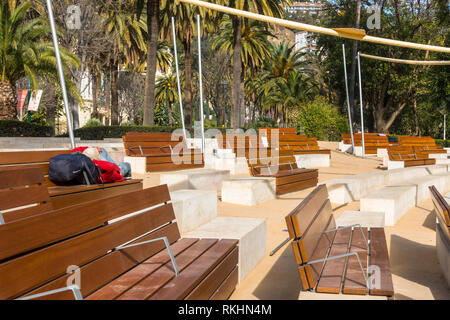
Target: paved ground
<point>414,265</point>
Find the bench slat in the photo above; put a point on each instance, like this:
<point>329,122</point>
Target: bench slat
<point>226,288</point>
<point>213,281</point>
<point>25,213</point>
<point>149,285</point>
<point>13,198</point>
<point>11,177</point>
<point>333,271</point>
<point>108,267</point>
<point>379,257</point>
<point>22,157</point>
<point>303,215</point>
<point>179,287</point>
<point>354,282</point>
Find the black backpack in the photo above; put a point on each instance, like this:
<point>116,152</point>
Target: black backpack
<point>72,169</point>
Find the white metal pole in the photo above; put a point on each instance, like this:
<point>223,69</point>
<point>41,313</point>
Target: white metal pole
<point>348,100</point>
<point>445,127</point>
<point>180,97</point>
<point>61,73</point>
<point>200,81</point>
<point>361,106</point>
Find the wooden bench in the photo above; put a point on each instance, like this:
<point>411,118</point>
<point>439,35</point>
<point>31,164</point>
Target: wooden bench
<point>415,141</point>
<point>64,195</point>
<point>159,149</point>
<point>327,257</point>
<point>288,176</point>
<point>241,145</point>
<point>372,142</point>
<point>442,212</point>
<point>97,250</point>
<point>409,156</point>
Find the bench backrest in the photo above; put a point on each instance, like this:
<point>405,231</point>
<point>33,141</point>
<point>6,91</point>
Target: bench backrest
<point>272,163</point>
<point>36,252</point>
<point>148,143</point>
<point>399,153</point>
<point>442,210</point>
<point>281,131</point>
<point>372,139</point>
<point>22,193</point>
<point>24,159</point>
<point>416,141</point>
<point>306,224</point>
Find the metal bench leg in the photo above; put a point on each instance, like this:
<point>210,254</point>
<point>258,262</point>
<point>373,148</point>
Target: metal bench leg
<point>340,257</point>
<point>75,290</point>
<point>166,242</point>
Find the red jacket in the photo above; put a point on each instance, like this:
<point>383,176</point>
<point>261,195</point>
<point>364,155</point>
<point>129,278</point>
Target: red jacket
<point>110,172</point>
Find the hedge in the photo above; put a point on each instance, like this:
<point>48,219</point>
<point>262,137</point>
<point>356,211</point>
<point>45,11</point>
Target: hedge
<point>15,128</point>
<point>442,142</point>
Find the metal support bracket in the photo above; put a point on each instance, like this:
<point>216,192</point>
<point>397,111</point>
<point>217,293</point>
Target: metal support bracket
<point>351,226</point>
<point>166,242</point>
<point>140,149</point>
<point>75,290</point>
<point>340,257</point>
<point>2,220</point>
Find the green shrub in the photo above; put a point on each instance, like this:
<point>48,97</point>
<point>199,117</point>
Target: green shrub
<point>13,128</point>
<point>263,122</point>
<point>321,120</point>
<point>93,123</point>
<point>442,142</point>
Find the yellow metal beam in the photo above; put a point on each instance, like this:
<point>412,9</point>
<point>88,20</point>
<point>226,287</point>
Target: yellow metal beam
<point>414,62</point>
<point>347,33</point>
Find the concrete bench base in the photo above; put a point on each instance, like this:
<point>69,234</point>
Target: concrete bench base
<point>345,147</point>
<point>193,208</point>
<point>138,164</point>
<point>363,218</point>
<point>204,179</point>
<point>249,191</point>
<point>443,161</point>
<point>381,153</point>
<point>229,162</point>
<point>394,201</point>
<point>443,252</point>
<point>312,160</point>
<point>251,233</point>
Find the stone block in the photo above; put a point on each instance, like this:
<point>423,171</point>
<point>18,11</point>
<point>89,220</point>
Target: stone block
<point>249,191</point>
<point>203,179</point>
<point>250,232</point>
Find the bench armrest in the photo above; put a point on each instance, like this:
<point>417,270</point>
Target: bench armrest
<point>166,242</point>
<point>75,290</point>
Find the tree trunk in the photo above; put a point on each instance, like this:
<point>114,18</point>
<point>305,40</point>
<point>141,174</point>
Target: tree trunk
<point>351,90</point>
<point>96,84</point>
<point>152,47</point>
<point>114,78</point>
<point>187,83</point>
<point>242,107</point>
<point>237,71</point>
<point>8,101</point>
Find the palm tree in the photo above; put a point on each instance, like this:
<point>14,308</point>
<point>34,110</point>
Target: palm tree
<point>25,53</point>
<point>128,47</point>
<point>273,8</point>
<point>166,94</point>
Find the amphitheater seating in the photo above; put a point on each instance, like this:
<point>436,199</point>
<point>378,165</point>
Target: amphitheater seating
<point>158,150</point>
